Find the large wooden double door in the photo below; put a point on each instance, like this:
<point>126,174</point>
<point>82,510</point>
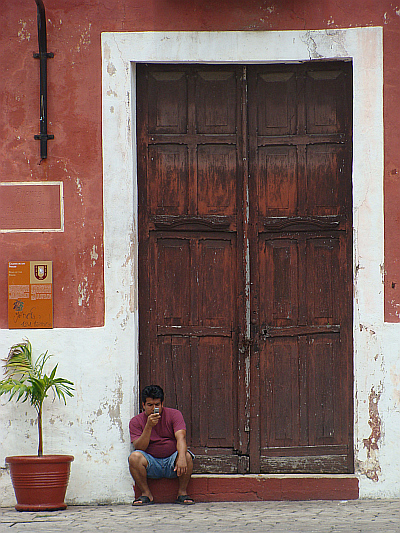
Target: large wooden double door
<point>245,239</point>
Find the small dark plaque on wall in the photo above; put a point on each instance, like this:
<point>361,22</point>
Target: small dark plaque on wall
<point>30,294</point>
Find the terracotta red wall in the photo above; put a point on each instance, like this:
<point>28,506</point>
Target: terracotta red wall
<point>74,113</point>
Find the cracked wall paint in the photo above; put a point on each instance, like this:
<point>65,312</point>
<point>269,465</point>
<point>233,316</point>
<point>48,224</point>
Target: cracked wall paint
<point>395,379</point>
<point>111,69</point>
<point>83,292</point>
<point>110,407</point>
<point>23,33</point>
<point>132,264</point>
<point>84,39</point>
<point>320,43</point>
<point>79,189</point>
<point>371,467</point>
<point>94,255</point>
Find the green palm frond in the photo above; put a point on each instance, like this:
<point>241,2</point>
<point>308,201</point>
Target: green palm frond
<point>15,388</point>
<point>27,381</point>
<point>19,360</point>
<point>40,362</point>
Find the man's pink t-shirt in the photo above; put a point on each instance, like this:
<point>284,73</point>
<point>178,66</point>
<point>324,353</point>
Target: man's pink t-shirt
<point>162,439</point>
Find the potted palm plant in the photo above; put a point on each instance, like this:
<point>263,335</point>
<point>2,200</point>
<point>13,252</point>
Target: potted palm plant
<point>39,481</point>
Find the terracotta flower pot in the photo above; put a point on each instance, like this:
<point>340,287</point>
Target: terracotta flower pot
<point>40,483</point>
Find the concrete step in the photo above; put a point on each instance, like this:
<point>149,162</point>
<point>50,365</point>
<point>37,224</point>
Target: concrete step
<point>259,487</point>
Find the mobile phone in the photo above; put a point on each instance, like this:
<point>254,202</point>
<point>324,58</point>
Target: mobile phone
<point>156,410</point>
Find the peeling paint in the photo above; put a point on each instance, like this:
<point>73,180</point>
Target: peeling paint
<point>94,255</point>
<point>318,44</point>
<point>366,328</point>
<point>23,34</point>
<point>112,408</point>
<point>79,188</point>
<point>371,467</point>
<point>311,46</point>
<point>395,379</point>
<point>111,69</point>
<point>83,292</point>
<point>130,261</point>
<point>87,454</point>
<point>84,39</point>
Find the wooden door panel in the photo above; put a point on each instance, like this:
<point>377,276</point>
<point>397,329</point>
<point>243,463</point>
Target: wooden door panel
<point>276,102</point>
<point>216,280</point>
<point>216,393</point>
<point>309,262</point>
<point>279,406</point>
<point>196,374</point>
<point>278,267</point>
<point>168,189</point>
<point>323,281</point>
<point>326,101</point>
<point>277,180</point>
<point>305,460</point>
<point>325,174</point>
<point>216,177</point>
<point>304,429</point>
<point>170,290</point>
<point>195,280</point>
<point>326,391</point>
<point>167,95</point>
<point>171,367</point>
<point>216,101</point>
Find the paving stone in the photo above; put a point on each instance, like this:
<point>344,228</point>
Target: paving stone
<point>360,516</point>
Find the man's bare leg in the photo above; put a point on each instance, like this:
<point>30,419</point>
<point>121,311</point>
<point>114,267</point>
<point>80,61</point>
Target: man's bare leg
<point>185,478</point>
<point>137,468</point>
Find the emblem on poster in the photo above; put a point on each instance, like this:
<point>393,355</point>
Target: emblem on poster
<point>30,294</point>
<point>40,272</point>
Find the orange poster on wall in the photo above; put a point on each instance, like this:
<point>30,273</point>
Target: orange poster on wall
<point>30,294</point>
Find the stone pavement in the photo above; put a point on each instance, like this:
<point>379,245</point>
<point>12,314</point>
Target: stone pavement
<point>357,516</point>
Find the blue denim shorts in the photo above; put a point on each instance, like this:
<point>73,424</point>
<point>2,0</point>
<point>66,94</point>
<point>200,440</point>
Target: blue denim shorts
<point>159,467</point>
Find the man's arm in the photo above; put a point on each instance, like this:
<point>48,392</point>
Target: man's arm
<point>143,441</point>
<point>181,446</point>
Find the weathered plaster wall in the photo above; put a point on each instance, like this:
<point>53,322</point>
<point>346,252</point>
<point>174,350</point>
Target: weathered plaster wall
<point>74,156</point>
<point>74,113</point>
<point>102,359</point>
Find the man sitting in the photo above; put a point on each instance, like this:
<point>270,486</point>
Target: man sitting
<point>158,435</point>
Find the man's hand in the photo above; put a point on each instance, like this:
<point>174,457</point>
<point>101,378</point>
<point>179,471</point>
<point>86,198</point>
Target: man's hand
<point>143,441</point>
<point>152,420</point>
<point>181,465</point>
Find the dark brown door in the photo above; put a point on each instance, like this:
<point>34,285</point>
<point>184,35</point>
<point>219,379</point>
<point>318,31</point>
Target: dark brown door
<point>245,260</point>
<point>190,209</point>
<point>300,154</point>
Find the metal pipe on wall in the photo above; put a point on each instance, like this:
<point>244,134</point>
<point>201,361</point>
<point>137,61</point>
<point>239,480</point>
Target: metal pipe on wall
<point>42,55</point>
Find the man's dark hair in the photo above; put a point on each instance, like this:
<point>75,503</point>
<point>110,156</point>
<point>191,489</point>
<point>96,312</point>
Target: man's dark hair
<point>154,392</point>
